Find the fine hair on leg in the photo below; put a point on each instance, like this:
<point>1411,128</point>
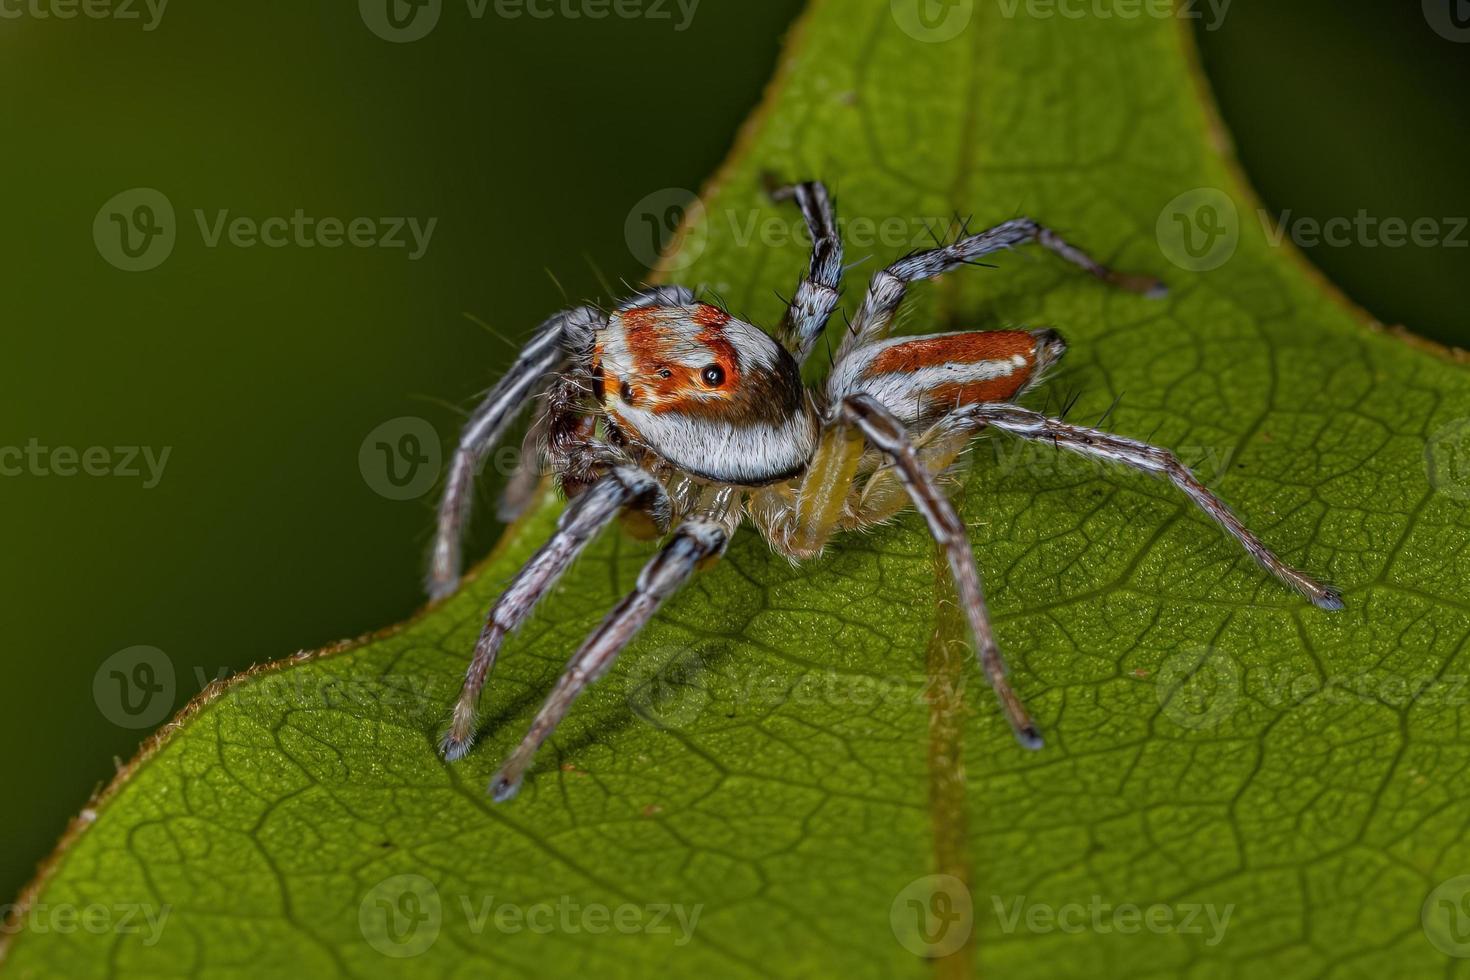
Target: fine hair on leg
<point>816,296</point>
<point>554,346</point>
<point>889,286</point>
<point>1097,444</point>
<point>694,542</point>
<point>579,523</point>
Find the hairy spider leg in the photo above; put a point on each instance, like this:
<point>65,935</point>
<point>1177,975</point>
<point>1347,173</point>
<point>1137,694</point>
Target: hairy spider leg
<point>589,513</point>
<point>694,542</point>
<point>562,340</point>
<point>888,287</point>
<point>816,296</point>
<point>887,433</point>
<point>1097,444</point>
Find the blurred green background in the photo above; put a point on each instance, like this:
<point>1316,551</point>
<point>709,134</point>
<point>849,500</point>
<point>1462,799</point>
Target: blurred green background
<point>263,370</point>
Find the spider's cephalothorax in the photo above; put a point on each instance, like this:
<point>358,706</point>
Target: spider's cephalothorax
<point>712,395</point>
<point>675,410</point>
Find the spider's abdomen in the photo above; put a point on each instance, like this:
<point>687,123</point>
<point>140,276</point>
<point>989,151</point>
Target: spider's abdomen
<point>919,379</point>
<point>713,395</point>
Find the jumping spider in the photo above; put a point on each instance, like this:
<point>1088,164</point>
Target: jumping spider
<point>679,414</point>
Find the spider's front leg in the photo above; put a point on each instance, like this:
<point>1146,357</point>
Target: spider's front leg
<point>816,297</point>
<point>558,343</point>
<point>550,349</point>
<point>622,487</point>
<point>887,290</point>
<point>1097,444</point>
<point>694,542</point>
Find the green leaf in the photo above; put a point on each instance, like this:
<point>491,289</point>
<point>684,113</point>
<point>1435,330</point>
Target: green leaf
<point>766,781</point>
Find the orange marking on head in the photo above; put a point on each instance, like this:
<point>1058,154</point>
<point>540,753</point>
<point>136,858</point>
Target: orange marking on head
<point>962,348</point>
<point>645,334</point>
<point>713,336</point>
<point>710,316</point>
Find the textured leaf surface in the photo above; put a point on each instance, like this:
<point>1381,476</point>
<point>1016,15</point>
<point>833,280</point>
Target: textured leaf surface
<point>789,753</point>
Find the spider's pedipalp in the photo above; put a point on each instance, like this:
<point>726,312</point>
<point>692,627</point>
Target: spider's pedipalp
<point>1099,444</point>
<point>887,433</point>
<point>694,542</point>
<point>579,523</point>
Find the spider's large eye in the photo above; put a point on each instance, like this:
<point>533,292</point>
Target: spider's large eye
<point>713,376</point>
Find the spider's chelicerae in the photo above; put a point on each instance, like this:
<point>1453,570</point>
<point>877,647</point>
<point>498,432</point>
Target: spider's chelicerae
<point>679,415</point>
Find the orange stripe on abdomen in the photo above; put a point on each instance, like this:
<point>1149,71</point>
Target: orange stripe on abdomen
<point>994,390</point>
<point>958,348</point>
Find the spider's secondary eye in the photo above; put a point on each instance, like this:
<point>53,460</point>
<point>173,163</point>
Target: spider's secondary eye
<point>625,391</point>
<point>665,373</point>
<point>714,375</point>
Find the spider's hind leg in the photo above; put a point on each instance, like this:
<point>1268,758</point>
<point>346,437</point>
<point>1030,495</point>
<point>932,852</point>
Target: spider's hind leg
<point>1098,444</point>
<point>694,542</point>
<point>584,517</point>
